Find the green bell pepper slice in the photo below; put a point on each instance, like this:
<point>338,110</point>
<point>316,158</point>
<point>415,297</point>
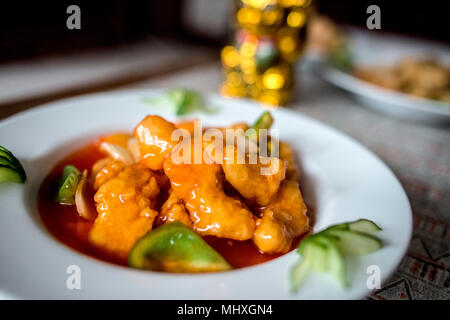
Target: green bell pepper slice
<point>173,247</point>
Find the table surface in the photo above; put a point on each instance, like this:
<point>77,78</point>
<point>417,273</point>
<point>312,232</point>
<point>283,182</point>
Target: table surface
<point>419,155</point>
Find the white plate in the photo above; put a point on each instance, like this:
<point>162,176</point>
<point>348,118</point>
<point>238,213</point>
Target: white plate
<point>369,48</point>
<point>344,180</point>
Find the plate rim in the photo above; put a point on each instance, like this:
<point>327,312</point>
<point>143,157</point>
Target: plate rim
<point>54,104</point>
<point>402,100</point>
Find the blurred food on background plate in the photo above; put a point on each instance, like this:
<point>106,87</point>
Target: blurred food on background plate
<point>324,36</point>
<point>426,78</point>
<point>421,76</point>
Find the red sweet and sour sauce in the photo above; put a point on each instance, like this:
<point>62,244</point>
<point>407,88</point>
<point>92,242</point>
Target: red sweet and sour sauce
<point>64,223</point>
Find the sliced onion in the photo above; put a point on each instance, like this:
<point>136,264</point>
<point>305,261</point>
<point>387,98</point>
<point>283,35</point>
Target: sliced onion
<point>117,152</point>
<point>82,200</point>
<point>133,148</point>
<point>99,165</point>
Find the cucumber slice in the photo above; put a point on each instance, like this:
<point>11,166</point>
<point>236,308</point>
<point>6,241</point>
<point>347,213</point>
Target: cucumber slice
<point>173,247</point>
<point>299,272</point>
<point>8,159</point>
<point>7,154</point>
<point>8,174</point>
<point>336,262</point>
<point>321,254</point>
<point>324,251</point>
<point>354,242</point>
<point>361,225</point>
<point>68,185</point>
<point>318,253</point>
<point>341,226</point>
<point>303,244</point>
<point>6,163</point>
<point>364,225</point>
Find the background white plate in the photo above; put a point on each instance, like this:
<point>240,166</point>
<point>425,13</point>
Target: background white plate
<point>343,180</point>
<point>369,48</point>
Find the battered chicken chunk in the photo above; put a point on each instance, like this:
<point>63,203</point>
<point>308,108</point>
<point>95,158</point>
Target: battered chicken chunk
<point>287,155</point>
<point>211,210</point>
<point>257,182</point>
<point>125,205</point>
<point>154,135</point>
<point>174,210</point>
<point>104,170</point>
<point>282,220</point>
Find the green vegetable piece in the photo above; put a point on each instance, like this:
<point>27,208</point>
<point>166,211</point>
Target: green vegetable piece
<point>335,259</point>
<point>319,255</point>
<point>361,225</point>
<point>182,101</point>
<point>341,226</point>
<point>7,154</point>
<point>264,121</point>
<point>324,251</point>
<point>8,160</point>
<point>364,225</point>
<point>7,174</point>
<point>6,163</point>
<point>173,247</point>
<point>341,57</point>
<point>68,185</point>
<point>299,272</point>
<point>303,244</point>
<point>354,242</point>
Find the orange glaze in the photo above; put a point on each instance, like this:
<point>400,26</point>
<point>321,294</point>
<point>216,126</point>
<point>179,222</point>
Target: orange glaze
<point>64,223</point>
<point>154,136</point>
<point>212,211</point>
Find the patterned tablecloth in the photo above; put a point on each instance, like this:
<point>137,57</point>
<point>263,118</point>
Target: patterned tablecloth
<point>419,155</point>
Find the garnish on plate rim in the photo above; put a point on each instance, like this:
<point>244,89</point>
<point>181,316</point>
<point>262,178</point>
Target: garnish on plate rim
<point>10,168</point>
<point>325,251</point>
<point>182,101</point>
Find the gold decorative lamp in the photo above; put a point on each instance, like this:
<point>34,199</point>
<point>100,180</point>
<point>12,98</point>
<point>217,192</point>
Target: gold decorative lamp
<point>269,37</point>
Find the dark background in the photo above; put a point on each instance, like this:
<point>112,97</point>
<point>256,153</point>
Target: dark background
<point>31,29</point>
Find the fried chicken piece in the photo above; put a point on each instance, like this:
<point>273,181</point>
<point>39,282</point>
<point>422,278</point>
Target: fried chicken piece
<point>211,210</point>
<point>174,210</point>
<point>257,182</point>
<point>154,135</point>
<point>126,209</point>
<point>104,170</point>
<point>287,155</point>
<point>282,220</point>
